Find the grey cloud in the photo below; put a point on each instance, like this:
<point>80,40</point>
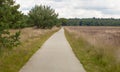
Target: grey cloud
<point>91,7</point>
<point>111,11</point>
<point>58,0</point>
<point>77,8</point>
<point>103,9</point>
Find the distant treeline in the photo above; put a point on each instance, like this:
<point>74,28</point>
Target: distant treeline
<point>91,22</point>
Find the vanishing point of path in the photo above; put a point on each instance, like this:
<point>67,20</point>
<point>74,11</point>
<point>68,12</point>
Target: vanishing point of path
<point>56,55</point>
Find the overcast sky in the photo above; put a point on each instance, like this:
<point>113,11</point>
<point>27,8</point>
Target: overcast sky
<point>77,8</point>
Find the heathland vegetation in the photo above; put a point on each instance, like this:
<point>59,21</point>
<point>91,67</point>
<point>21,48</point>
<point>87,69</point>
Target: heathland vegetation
<point>21,35</point>
<point>31,39</point>
<point>97,48</point>
<point>11,18</point>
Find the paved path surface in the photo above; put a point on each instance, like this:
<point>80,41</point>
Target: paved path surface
<point>55,55</point>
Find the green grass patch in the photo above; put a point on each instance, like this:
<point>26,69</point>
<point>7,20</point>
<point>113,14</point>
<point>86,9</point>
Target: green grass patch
<point>92,58</point>
<point>11,60</point>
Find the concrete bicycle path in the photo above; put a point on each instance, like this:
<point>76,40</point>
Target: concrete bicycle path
<point>55,55</point>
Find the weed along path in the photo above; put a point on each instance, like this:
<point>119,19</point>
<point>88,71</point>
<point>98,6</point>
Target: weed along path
<point>55,55</point>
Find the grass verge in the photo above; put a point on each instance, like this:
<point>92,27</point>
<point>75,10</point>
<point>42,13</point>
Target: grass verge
<point>93,60</point>
<point>12,60</point>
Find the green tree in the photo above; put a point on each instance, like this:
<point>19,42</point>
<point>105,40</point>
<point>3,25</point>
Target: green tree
<point>63,21</point>
<point>43,16</point>
<point>93,22</point>
<point>9,18</point>
<point>9,13</point>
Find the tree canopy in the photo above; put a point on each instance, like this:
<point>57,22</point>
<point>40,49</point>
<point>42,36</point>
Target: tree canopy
<point>43,16</point>
<point>93,22</point>
<point>10,17</point>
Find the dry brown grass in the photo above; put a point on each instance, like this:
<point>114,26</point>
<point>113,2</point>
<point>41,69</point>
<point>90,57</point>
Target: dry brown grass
<point>99,36</point>
<point>11,60</point>
<point>30,33</point>
<point>105,40</point>
<point>102,36</point>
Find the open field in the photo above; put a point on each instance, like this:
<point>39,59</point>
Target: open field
<point>11,60</point>
<point>98,48</point>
